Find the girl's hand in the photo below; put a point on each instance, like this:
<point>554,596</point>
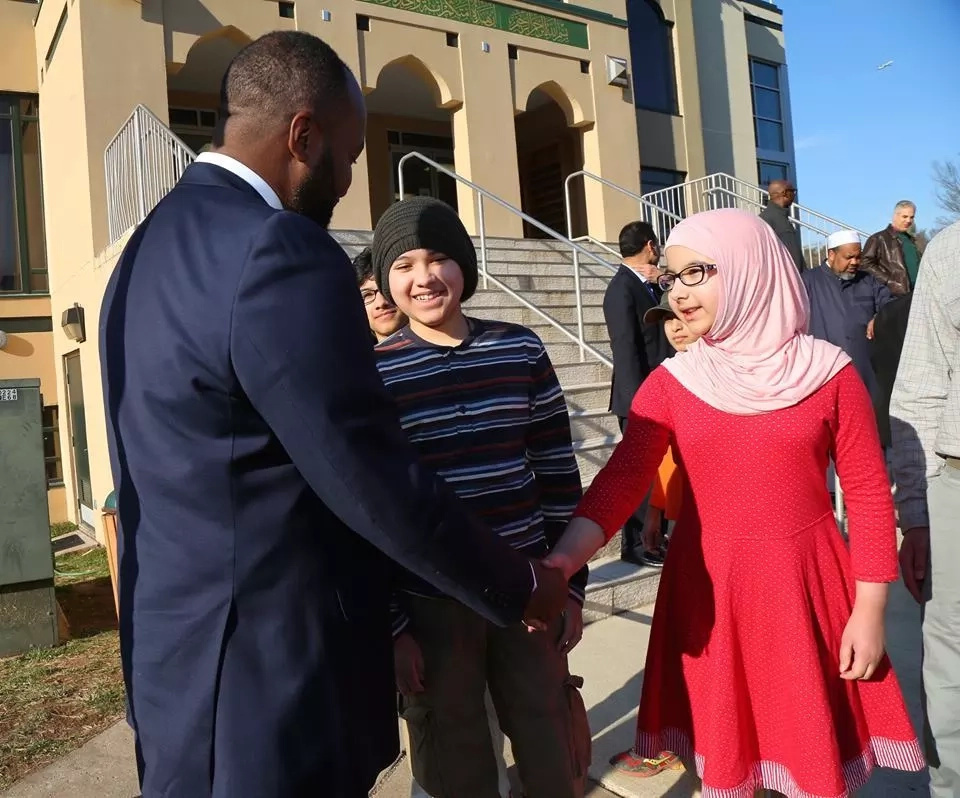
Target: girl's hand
<point>862,644</point>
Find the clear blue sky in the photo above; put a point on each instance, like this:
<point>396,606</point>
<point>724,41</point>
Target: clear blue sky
<point>866,138</point>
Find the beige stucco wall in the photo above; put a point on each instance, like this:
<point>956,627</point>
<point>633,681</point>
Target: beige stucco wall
<point>18,56</point>
<point>725,102</point>
<point>30,355</point>
<point>85,284</point>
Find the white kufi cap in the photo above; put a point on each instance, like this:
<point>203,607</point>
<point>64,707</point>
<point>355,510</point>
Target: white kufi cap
<point>842,237</point>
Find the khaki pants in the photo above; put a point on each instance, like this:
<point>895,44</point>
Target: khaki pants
<point>496,736</point>
<point>941,636</point>
<point>451,751</point>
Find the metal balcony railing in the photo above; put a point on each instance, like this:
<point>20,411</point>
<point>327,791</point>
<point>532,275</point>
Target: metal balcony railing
<point>142,163</point>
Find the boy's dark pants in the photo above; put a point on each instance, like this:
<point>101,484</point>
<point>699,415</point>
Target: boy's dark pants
<point>450,747</point>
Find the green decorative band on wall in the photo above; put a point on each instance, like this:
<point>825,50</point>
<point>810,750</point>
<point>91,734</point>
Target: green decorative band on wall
<point>488,14</point>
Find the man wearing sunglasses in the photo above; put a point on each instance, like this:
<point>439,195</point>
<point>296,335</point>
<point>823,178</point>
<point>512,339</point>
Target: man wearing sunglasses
<point>777,215</point>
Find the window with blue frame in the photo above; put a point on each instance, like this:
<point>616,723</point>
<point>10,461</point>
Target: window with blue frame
<point>767,105</point>
<point>651,57</point>
<point>23,255</point>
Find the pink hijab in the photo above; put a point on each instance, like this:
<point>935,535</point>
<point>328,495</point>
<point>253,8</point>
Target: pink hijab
<point>758,356</point>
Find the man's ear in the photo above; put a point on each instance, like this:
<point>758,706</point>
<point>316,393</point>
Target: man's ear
<point>300,136</point>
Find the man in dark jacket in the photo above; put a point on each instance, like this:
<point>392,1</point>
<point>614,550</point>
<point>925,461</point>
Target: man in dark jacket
<point>777,215</point>
<point>893,254</point>
<point>844,300</point>
<point>637,348</point>
<point>889,331</point>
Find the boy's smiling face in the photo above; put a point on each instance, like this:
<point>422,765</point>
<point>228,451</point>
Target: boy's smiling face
<point>427,287</point>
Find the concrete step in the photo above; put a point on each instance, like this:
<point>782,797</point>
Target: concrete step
<point>590,374</point>
<point>593,453</point>
<point>615,586</point>
<point>513,312</point>
<point>593,333</point>
<point>593,397</point>
<point>588,424</point>
<point>545,299</point>
<point>551,282</point>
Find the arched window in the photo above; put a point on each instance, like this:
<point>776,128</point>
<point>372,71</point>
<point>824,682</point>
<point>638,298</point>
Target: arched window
<point>651,57</point>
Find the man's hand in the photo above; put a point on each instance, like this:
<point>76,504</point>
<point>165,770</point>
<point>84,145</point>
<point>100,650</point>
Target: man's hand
<point>915,559</point>
<point>870,329</point>
<point>408,664</point>
<point>548,600</point>
<point>572,629</point>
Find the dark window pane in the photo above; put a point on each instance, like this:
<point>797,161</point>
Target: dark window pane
<point>653,179</point>
<point>765,75</point>
<point>286,10</point>
<point>6,104</point>
<point>9,227</point>
<point>183,116</point>
<point>33,198</point>
<point>651,54</point>
<point>208,118</point>
<point>769,136</point>
<point>771,170</point>
<point>28,106</point>
<point>766,103</point>
<point>54,471</point>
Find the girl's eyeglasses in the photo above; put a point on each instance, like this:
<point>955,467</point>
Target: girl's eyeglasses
<point>694,274</point>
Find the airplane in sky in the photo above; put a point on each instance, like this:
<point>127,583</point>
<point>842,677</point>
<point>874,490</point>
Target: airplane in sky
<point>884,65</point>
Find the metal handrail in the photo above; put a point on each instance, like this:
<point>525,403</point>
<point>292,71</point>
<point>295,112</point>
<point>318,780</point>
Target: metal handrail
<point>142,162</point>
<point>657,215</point>
<point>598,243</point>
<point>482,194</point>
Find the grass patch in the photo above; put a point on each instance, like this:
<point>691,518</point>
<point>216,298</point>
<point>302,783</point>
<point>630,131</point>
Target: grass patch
<point>53,700</point>
<point>62,528</point>
<point>81,566</point>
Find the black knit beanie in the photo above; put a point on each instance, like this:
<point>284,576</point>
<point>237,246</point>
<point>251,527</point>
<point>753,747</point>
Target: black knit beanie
<point>422,223</point>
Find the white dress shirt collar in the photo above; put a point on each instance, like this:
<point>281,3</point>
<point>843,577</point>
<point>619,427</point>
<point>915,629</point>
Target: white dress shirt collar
<point>245,173</point>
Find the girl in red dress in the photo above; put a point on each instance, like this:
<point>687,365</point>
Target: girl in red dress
<point>766,665</point>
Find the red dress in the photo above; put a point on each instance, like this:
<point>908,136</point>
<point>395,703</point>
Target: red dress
<point>742,672</point>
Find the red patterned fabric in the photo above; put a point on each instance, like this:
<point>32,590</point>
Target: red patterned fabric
<point>742,672</point>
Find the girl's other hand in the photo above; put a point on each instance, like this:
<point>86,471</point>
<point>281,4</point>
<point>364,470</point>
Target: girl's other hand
<point>862,644</point>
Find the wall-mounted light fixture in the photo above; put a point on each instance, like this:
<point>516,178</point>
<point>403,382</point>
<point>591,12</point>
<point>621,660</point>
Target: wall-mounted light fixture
<point>617,71</point>
<point>485,47</point>
<point>3,339</point>
<point>72,323</point>
<point>325,15</point>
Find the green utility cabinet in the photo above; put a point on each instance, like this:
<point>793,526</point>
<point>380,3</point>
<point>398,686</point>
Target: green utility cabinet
<point>28,613</point>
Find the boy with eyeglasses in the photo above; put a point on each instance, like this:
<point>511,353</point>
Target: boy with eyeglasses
<point>383,317</point>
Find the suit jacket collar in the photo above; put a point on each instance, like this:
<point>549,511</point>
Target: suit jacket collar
<point>208,174</point>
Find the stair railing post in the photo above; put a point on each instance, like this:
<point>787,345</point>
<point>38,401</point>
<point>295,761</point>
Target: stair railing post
<point>139,167</point>
<point>482,224</point>
<point>576,265</point>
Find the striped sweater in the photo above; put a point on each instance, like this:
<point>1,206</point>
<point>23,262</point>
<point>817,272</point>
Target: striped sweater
<point>490,418</point>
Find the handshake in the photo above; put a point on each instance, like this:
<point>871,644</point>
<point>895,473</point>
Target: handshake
<point>549,597</point>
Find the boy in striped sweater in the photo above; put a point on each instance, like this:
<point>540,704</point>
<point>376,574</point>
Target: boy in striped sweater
<point>482,403</point>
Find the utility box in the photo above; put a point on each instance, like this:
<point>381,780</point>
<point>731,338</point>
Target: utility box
<point>28,612</point>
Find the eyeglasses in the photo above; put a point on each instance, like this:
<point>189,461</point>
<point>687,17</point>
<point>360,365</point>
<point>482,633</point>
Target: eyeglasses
<point>369,295</point>
<point>694,274</point>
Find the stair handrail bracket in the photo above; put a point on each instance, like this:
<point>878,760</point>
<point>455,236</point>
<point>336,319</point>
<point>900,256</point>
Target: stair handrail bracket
<point>482,194</point>
<point>142,162</point>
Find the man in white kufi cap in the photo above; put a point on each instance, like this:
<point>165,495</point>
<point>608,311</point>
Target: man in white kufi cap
<point>844,301</point>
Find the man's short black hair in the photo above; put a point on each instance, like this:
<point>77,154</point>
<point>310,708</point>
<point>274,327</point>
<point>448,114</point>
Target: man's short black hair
<point>279,74</point>
<point>363,266</point>
<point>634,237</point>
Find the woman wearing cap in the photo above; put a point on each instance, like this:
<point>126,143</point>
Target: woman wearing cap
<point>766,671</point>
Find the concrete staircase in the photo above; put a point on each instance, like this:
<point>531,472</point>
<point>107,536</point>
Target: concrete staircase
<point>542,273</point>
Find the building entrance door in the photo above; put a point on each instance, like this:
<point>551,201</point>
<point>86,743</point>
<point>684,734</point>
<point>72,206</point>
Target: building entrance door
<point>78,435</point>
<point>419,178</point>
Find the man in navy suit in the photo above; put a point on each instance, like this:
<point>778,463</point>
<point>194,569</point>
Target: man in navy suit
<point>637,349</point>
<point>260,468</point>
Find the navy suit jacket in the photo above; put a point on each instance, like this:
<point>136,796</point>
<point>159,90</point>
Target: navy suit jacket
<point>637,348</point>
<point>261,474</point>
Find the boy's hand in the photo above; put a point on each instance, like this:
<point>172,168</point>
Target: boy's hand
<point>408,664</point>
<point>572,630</point>
<point>862,644</point>
<point>548,600</point>
<point>914,560</point>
